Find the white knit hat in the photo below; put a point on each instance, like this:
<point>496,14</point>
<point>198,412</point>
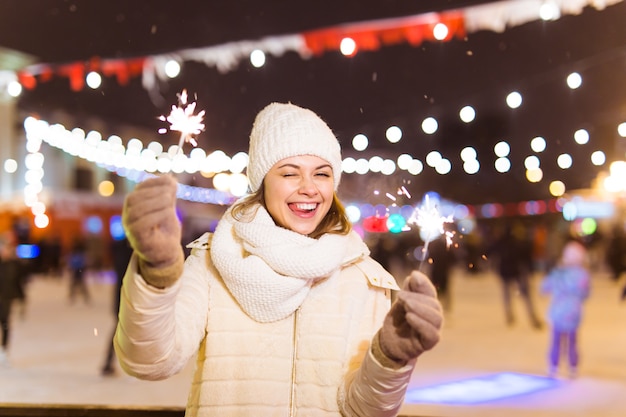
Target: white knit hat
<point>284,130</point>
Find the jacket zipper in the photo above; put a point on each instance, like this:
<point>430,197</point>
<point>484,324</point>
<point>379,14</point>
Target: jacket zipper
<point>292,394</point>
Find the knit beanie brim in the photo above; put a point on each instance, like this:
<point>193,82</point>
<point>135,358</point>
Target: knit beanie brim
<point>284,130</point>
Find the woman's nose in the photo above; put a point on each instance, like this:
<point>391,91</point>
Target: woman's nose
<point>307,186</point>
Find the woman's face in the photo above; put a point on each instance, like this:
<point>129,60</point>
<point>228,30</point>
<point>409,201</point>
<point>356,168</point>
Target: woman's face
<point>299,192</point>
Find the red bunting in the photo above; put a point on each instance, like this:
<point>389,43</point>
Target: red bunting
<point>76,74</point>
<point>27,80</point>
<point>94,64</point>
<point>368,36</point>
<point>371,36</point>
<point>46,74</point>
<point>123,70</point>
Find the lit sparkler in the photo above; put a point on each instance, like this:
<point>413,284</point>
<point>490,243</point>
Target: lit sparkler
<point>183,120</point>
<point>431,223</point>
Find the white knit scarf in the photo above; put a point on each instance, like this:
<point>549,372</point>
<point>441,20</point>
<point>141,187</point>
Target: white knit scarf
<point>270,269</point>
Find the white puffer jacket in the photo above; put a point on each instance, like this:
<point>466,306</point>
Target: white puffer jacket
<point>316,362</point>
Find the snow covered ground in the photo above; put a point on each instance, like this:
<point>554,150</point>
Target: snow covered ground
<point>58,348</point>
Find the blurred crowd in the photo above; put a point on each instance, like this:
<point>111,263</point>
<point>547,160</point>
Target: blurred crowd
<point>516,249</point>
<point>86,256</point>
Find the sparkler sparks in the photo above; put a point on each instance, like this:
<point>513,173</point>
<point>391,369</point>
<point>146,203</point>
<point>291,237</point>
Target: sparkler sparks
<point>426,217</point>
<point>183,120</point>
<point>429,220</point>
<point>431,223</point>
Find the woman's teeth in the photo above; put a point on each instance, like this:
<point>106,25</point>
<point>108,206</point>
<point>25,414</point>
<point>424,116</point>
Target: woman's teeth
<point>306,206</point>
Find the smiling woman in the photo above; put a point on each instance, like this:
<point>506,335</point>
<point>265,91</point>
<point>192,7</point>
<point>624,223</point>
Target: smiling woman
<point>282,275</point>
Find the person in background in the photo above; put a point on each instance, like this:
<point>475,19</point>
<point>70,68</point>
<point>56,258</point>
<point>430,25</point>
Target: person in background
<point>121,252</point>
<point>77,264</point>
<point>282,306</point>
<point>11,289</point>
<point>616,254</point>
<point>568,285</point>
<point>514,257</point>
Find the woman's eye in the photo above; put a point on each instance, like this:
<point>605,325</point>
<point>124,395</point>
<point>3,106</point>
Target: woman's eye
<point>323,174</point>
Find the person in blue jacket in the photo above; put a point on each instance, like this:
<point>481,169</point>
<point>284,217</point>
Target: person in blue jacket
<point>569,285</point>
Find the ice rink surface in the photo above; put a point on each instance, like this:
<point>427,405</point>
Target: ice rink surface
<point>57,350</point>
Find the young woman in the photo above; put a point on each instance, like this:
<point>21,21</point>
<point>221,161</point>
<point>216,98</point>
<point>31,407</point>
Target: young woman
<point>285,310</point>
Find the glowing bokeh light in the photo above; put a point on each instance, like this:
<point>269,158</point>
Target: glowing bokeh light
<point>433,158</point>
<point>471,166</point>
<point>468,154</point>
<point>564,161</point>
<point>443,166</point>
<point>362,166</point>
<point>416,167</point>
<point>93,224</point>
<point>502,149</point>
<point>93,80</point>
<point>38,208</point>
<point>440,31</point>
<point>396,223</point>
<point>376,163</point>
<point>430,125</point>
<point>502,165</point>
<point>172,68</point>
<point>588,226</point>
<point>616,181</point>
<point>404,161</point>
<point>581,136</point>
<point>393,134</point>
<point>514,100</point>
<point>42,221</point>
<point>360,142</point>
<point>10,166</point>
<point>467,114</point>
<point>221,181</point>
<point>106,188</point>
<point>598,158</point>
<point>116,229</point>
<point>549,10</point>
<point>534,175</point>
<point>257,58</point>
<point>348,165</point>
<point>388,167</point>
<point>14,89</point>
<point>557,188</point>
<point>238,185</point>
<point>347,47</point>
<point>532,162</point>
<point>574,80</point>
<point>353,212</point>
<point>538,144</point>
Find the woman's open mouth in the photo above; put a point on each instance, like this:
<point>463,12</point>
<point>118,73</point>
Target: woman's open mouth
<point>303,209</point>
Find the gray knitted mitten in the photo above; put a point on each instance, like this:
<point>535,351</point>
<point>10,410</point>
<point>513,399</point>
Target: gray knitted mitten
<point>413,324</point>
<point>154,231</point>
